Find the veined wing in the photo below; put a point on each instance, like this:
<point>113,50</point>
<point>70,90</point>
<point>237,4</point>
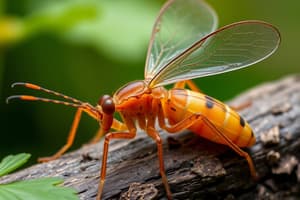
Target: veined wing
<point>179,25</point>
<point>232,47</point>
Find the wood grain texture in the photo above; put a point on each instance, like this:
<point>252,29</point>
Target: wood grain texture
<point>196,168</point>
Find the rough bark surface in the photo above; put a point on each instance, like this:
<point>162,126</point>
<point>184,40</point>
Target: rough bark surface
<point>195,167</point>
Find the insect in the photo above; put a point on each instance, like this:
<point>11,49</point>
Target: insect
<point>185,44</point>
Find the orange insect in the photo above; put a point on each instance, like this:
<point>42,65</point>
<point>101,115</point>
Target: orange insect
<point>184,45</point>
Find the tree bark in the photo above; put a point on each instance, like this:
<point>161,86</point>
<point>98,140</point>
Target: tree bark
<point>196,168</point>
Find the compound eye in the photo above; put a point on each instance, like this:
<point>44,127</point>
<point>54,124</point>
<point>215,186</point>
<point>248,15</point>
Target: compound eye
<point>107,104</point>
<point>103,99</point>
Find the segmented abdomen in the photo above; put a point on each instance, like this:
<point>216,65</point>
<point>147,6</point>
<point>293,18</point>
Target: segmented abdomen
<point>182,103</point>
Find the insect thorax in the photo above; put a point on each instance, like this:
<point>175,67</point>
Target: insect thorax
<point>135,98</point>
<point>135,90</point>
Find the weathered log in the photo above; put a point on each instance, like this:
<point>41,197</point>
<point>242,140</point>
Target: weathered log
<point>196,168</point>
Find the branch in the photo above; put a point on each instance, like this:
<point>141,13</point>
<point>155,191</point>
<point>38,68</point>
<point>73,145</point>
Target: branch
<point>195,167</point>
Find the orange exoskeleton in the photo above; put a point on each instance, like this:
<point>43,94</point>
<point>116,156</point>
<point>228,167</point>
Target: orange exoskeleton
<point>184,45</point>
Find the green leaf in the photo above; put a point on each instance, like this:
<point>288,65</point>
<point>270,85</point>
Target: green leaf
<point>37,189</point>
<point>12,162</point>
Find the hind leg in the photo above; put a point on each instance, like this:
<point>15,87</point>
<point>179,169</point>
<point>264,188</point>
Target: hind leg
<point>189,83</point>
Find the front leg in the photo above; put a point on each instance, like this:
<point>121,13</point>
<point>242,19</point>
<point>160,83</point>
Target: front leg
<point>116,125</point>
<point>108,137</point>
<point>70,139</point>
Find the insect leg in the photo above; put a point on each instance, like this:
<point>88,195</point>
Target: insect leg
<point>187,122</point>
<point>151,118</point>
<point>117,125</point>
<point>190,83</point>
<point>155,136</point>
<point>181,125</point>
<point>70,139</point>
<point>233,146</point>
<point>114,135</point>
<point>241,106</point>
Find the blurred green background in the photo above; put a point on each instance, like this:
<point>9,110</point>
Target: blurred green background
<point>86,48</point>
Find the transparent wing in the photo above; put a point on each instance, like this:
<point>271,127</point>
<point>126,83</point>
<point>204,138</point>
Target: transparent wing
<point>180,24</point>
<point>232,47</point>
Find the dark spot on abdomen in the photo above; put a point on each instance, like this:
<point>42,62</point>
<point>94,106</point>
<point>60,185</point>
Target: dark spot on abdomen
<point>242,121</point>
<point>209,102</point>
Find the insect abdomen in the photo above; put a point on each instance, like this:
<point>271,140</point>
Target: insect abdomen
<point>182,103</point>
